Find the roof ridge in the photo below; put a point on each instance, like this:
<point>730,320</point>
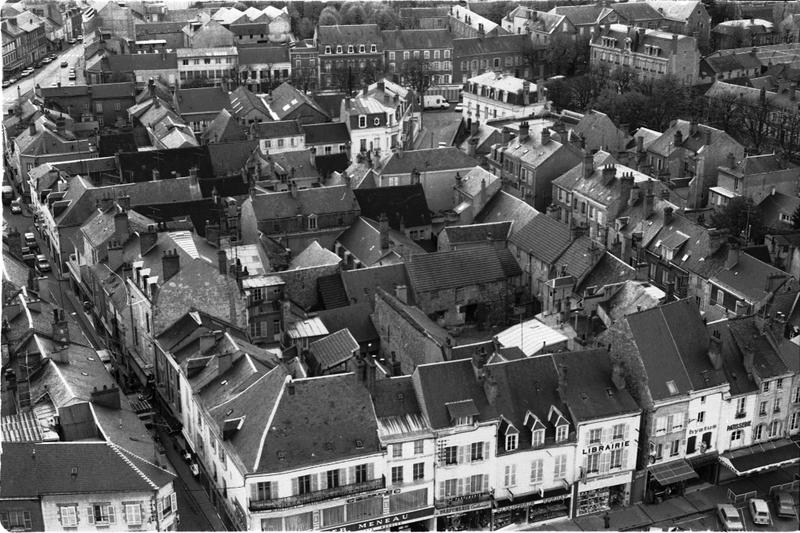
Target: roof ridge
<point>133,466</point>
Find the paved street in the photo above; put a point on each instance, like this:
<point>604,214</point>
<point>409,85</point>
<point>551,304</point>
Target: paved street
<point>48,75</point>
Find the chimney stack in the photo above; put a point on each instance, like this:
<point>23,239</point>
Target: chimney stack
<point>667,215</point>
<point>588,165</point>
<point>618,375</point>
<point>649,200</point>
<point>733,255</point>
<point>122,227</point>
<point>545,136</point>
<point>524,131</point>
<point>678,138</point>
<point>222,262</point>
<point>383,228</point>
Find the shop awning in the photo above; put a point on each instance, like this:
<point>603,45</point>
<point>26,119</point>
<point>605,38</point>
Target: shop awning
<point>703,459</point>
<point>763,456</point>
<point>673,472</point>
<point>534,498</point>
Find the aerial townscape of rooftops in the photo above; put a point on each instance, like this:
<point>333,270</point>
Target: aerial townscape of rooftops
<point>400,265</point>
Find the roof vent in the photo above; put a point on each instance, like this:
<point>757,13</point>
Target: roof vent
<point>281,455</point>
<point>359,444</point>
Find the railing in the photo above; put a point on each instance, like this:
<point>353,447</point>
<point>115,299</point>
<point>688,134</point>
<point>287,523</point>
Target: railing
<point>466,499</point>
<point>324,494</point>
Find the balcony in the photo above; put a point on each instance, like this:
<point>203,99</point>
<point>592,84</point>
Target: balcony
<point>319,495</point>
<point>442,503</point>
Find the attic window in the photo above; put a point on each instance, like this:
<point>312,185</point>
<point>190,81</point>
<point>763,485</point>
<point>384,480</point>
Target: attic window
<point>511,442</point>
<point>673,389</point>
<point>610,393</point>
<point>359,444</point>
<point>338,49</point>
<point>281,455</point>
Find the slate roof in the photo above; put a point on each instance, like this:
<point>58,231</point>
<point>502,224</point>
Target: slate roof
<point>361,283</point>
<point>319,421</point>
<point>527,385</point>
<point>543,237</point>
<point>439,384</point>
<point>588,382</point>
<point>350,34</point>
<point>276,129</point>
<point>580,257</point>
<point>664,145</point>
<point>610,270</point>
<point>398,39</point>
<point>326,133</point>
<point>202,100</point>
<point>760,164</point>
<point>494,231</point>
<point>773,205</point>
<point>679,10</point>
<point>767,362</point>
<point>244,101</point>
<point>138,166</point>
<point>428,160</point>
<point>459,268</point>
<point>332,293</point>
<point>286,99</point>
<point>317,200</point>
<point>45,468</point>
<point>479,46</point>
<point>334,349</point>
<point>638,11</point>
<point>402,202</point>
<point>356,318</point>
<point>260,55</point>
<point>223,128</point>
<point>506,207</point>
<point>314,255</point>
<point>748,278</point>
<point>363,240</point>
<point>673,344</point>
<point>581,15</point>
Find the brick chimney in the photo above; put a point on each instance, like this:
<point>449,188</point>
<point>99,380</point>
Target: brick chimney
<point>649,200</point>
<point>115,249</point>
<point>733,255</point>
<point>609,173</point>
<point>107,397</point>
<point>524,131</point>
<point>667,215</point>
<point>122,228</point>
<point>148,239</point>
<point>60,327</point>
<point>224,362</point>
<point>545,136</point>
<point>170,264</point>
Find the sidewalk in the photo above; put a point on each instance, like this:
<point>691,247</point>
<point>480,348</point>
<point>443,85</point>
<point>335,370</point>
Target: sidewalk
<point>196,510</point>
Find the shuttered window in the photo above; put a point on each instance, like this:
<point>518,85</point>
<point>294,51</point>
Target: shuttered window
<point>407,501</point>
<point>333,516</point>
<point>365,509</point>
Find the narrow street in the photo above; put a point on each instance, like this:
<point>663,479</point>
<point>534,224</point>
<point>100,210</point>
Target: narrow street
<point>48,75</point>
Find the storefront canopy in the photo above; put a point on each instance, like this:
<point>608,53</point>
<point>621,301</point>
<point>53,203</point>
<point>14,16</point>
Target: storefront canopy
<point>764,456</point>
<point>673,472</point>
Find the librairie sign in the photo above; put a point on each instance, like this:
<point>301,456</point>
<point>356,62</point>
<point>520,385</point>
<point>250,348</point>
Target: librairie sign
<point>598,448</point>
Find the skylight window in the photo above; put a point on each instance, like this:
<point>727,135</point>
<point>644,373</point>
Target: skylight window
<point>673,389</point>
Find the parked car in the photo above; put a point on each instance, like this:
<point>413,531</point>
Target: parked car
<point>16,206</point>
<point>784,504</point>
<point>729,517</point>
<point>80,38</point>
<point>47,60</point>
<point>30,241</point>
<point>42,264</point>
<point>759,511</point>
<point>71,75</point>
<point>71,41</point>
<point>6,83</point>
<point>64,64</point>
<point>25,73</point>
<point>12,81</point>
<point>458,108</point>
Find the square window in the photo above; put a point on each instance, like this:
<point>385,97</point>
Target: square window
<point>418,446</point>
<point>133,514</point>
<point>397,450</point>
<point>418,471</point>
<point>397,474</point>
<point>476,451</point>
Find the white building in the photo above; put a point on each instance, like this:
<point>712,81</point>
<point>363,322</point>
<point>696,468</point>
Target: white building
<point>373,124</point>
<point>494,95</point>
<point>212,65</point>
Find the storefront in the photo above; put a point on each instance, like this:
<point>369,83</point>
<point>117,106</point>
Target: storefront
<point>395,522</point>
<point>532,508</point>
<point>468,512</point>
<point>602,493</point>
<point>668,479</point>
<point>706,465</point>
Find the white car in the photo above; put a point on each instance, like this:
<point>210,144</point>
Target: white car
<point>729,517</point>
<point>759,511</point>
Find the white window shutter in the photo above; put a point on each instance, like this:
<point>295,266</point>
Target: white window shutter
<point>174,501</point>
<point>90,514</point>
<point>460,490</point>
<point>370,471</point>
<point>627,430</point>
<point>486,451</point>
<point>486,483</point>
<point>112,519</point>
<point>58,514</point>
<point>124,513</point>
<point>323,480</point>
<point>295,486</point>
<point>254,492</point>
<point>441,489</point>
<point>160,508</point>
<point>624,458</point>
<point>314,479</point>
<point>351,476</point>
<point>461,454</point>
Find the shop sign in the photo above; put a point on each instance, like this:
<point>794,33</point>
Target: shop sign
<point>702,430</point>
<point>739,425</point>
<point>610,481</point>
<point>551,499</point>
<point>389,521</point>
<point>373,494</point>
<point>463,508</point>
<point>597,448</point>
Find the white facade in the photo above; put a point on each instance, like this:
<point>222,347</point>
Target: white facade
<point>378,140</point>
<point>736,422</point>
<point>606,458</point>
<point>702,424</point>
<point>211,64</point>
<point>276,145</point>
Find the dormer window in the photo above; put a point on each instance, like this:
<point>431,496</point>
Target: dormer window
<point>561,432</point>
<point>511,442</point>
<point>538,438</point>
<point>361,49</point>
<point>377,121</point>
<point>327,49</point>
<point>350,49</point>
<point>362,121</point>
<point>312,222</point>
<point>339,49</point>
<point>373,48</point>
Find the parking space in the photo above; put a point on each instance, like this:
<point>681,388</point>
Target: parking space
<point>777,524</point>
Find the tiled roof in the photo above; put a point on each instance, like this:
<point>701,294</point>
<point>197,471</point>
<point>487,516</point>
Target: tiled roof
<point>47,468</point>
<point>260,55</point>
<point>505,207</point>
<point>428,160</point>
<point>224,127</point>
<point>590,393</point>
<point>581,15</point>
<point>317,200</point>
<point>477,46</point>
<point>543,237</point>
<point>748,278</point>
<point>636,11</point>
<point>439,384</point>
<point>244,101</point>
<point>458,268</point>
<point>336,410</point>
<point>202,100</point>
<point>334,349</point>
<point>580,257</point>
<point>398,39</point>
<point>326,133</point>
<point>314,255</point>
<point>679,10</point>
<point>402,202</point>
<point>350,34</point>
<point>331,291</point>
<point>664,145</point>
<point>276,129</point>
<point>492,231</point>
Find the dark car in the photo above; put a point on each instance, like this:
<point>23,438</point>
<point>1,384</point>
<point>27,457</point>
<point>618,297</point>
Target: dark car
<point>784,504</point>
<point>64,64</point>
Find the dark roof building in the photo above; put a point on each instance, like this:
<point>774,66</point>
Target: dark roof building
<point>404,205</point>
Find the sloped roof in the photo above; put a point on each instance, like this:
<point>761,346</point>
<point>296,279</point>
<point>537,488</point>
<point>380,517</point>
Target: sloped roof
<point>404,203</point>
<point>664,145</point>
<point>440,384</point>
<point>45,468</point>
<point>244,101</point>
<point>362,283</point>
<point>223,128</point>
<point>543,237</point>
<point>335,410</point>
<point>314,255</point>
<point>356,318</point>
<point>636,11</point>
<point>492,231</point>
<point>398,39</point>
<point>262,55</point>
<point>506,207</point>
<point>326,133</point>
<point>679,10</point>
<point>287,98</point>
<point>581,14</point>
<point>317,200</point>
<point>428,160</point>
<point>334,349</point>
<point>202,100</point>
<point>331,292</point>
<point>276,129</point>
<point>748,277</point>
<point>350,34</point>
<point>459,268</point>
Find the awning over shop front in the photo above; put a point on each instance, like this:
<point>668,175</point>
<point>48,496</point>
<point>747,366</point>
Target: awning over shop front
<point>763,456</point>
<point>673,472</point>
<point>534,498</point>
<point>703,459</point>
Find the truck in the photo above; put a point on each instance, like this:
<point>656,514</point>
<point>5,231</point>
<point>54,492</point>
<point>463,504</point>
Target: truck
<point>8,194</point>
<point>435,101</point>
